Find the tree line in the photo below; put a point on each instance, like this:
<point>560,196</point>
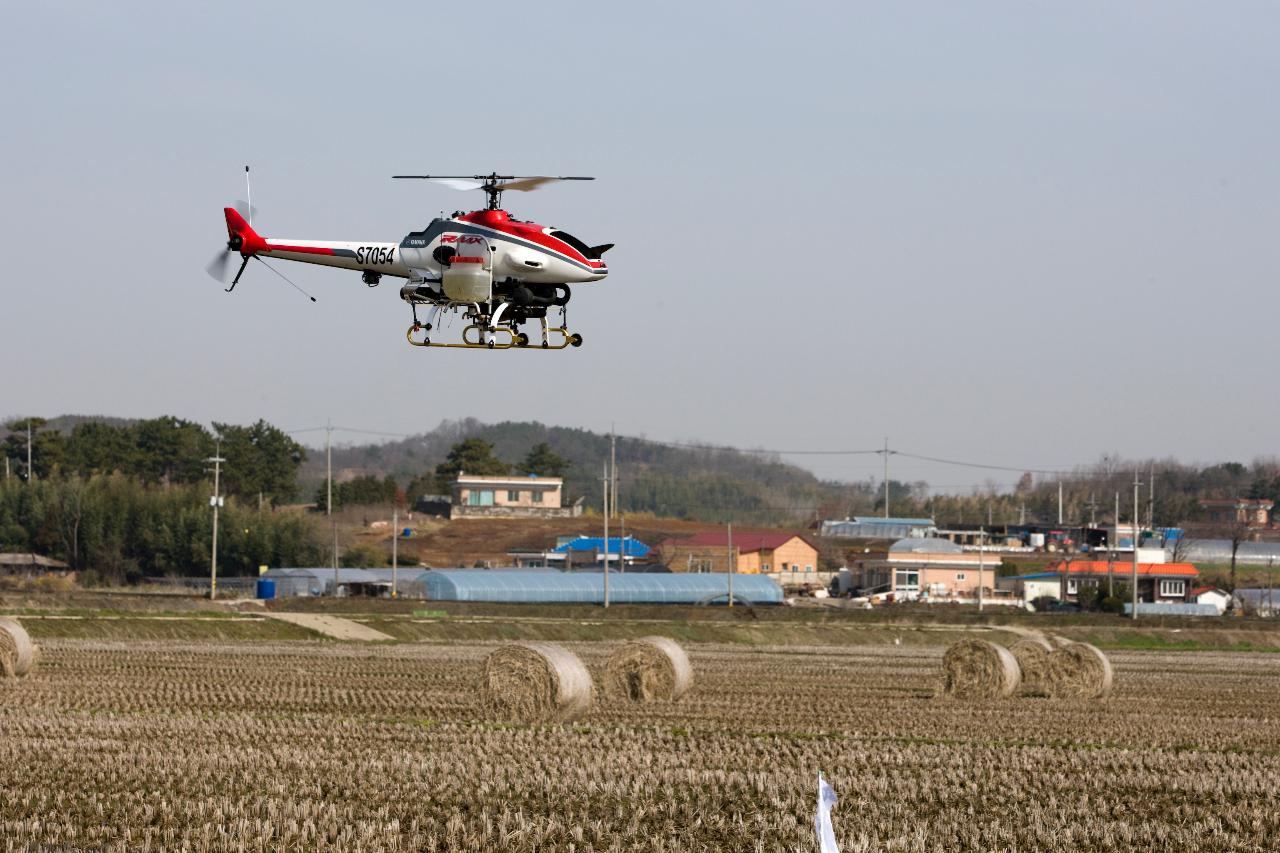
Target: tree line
<point>114,528</point>
<point>262,461</point>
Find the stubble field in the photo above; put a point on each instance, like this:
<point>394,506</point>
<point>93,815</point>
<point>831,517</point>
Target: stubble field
<point>305,745</point>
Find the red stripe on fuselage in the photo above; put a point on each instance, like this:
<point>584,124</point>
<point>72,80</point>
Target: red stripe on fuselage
<point>500,220</point>
<point>301,250</point>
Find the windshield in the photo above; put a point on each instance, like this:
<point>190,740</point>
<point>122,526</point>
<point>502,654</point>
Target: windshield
<point>574,242</point>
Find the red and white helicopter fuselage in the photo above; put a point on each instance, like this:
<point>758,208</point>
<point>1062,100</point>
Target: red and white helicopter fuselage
<point>498,271</point>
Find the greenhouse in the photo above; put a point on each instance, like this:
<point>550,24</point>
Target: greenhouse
<point>588,587</point>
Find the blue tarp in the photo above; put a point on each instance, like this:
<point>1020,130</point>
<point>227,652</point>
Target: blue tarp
<point>588,587</point>
<point>635,548</point>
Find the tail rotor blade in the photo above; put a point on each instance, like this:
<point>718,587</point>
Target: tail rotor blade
<point>217,268</point>
<point>246,210</point>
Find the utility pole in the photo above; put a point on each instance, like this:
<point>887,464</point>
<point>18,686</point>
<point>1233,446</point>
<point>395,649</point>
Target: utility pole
<point>1059,503</point>
<point>1151,498</point>
<point>328,500</point>
<point>733,563</point>
<point>622,544</point>
<point>613,468</point>
<point>31,474</point>
<point>982,538</point>
<point>1137,483</point>
<point>604,484</point>
<point>215,502</point>
<point>1093,511</point>
<point>395,555</point>
<point>886,475</point>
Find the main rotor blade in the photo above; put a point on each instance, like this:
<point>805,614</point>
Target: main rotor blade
<point>458,183</point>
<point>217,268</point>
<point>526,184</point>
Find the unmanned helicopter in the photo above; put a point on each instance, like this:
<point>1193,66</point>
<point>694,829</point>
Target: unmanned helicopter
<point>496,271</point>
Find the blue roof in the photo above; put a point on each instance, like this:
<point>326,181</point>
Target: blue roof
<point>635,548</point>
<point>1036,576</point>
<point>588,587</point>
<point>879,519</point>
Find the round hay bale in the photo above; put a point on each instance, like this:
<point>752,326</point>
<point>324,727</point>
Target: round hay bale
<point>536,681</point>
<point>977,669</point>
<point>1032,654</point>
<point>18,654</point>
<point>648,669</point>
<point>1079,671</point>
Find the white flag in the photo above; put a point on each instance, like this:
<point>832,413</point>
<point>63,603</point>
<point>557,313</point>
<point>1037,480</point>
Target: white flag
<point>822,820</point>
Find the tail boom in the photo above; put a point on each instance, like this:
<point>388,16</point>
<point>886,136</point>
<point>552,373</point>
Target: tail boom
<point>381,258</point>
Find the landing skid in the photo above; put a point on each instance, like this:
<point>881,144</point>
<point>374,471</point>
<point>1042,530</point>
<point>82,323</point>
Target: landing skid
<point>500,337</point>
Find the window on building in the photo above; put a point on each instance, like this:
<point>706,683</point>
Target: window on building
<point>906,579</point>
<point>1073,586</point>
<point>537,497</point>
<point>512,497</point>
<point>1173,589</point>
<point>480,497</point>
<point>764,567</point>
<point>960,576</point>
<point>808,568</point>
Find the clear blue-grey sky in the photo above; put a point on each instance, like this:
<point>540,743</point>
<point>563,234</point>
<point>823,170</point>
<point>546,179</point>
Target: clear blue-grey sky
<point>1025,233</point>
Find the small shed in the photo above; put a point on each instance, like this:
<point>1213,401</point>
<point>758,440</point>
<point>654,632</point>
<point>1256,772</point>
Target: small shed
<point>1219,598</point>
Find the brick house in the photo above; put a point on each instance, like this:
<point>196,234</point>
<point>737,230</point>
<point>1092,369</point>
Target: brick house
<point>758,553</point>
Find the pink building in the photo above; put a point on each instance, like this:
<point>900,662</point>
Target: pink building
<point>927,568</point>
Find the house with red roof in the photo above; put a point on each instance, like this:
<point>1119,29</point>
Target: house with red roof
<point>757,553</point>
<point>1157,582</point>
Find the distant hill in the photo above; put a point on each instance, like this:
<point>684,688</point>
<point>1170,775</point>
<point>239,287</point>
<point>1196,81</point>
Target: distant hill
<point>679,482</point>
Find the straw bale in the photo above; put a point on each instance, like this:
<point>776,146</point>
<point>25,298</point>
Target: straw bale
<point>18,655</point>
<point>1079,671</point>
<point>536,681</point>
<point>648,669</point>
<point>1032,654</point>
<point>977,669</point>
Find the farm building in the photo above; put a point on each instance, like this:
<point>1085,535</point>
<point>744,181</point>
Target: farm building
<point>1068,579</point>
<point>757,553</point>
<point>33,566</point>
<point>1258,601</point>
<point>874,527</point>
<point>1219,598</point>
<point>1254,512</point>
<point>293,582</point>
<point>588,587</point>
<point>583,551</point>
<point>1219,551</point>
<point>926,568</point>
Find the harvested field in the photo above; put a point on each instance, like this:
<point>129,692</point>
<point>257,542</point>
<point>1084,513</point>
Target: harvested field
<point>334,746</point>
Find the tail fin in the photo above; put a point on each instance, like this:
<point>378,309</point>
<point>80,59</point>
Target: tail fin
<point>250,241</point>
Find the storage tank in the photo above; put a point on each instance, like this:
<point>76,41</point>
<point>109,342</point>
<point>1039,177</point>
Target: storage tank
<point>266,588</point>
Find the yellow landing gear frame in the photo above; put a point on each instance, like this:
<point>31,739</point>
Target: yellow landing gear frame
<point>500,337</point>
